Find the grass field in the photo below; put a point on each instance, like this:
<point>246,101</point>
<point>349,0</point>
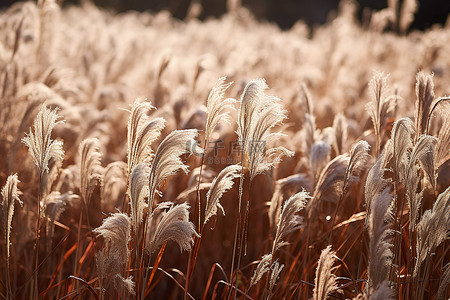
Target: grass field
<point>148,157</point>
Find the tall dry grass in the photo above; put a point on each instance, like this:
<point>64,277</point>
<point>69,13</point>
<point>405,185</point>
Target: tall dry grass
<point>160,184</point>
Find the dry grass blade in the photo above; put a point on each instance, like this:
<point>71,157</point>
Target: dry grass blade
<point>222,183</point>
<point>174,225</point>
<point>325,281</point>
<point>40,145</point>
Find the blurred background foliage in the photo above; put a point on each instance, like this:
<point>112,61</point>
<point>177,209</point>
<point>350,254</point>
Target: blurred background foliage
<point>284,12</point>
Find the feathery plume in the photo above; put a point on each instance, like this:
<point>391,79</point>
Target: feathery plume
<point>55,204</point>
<point>359,157</point>
<point>142,132</point>
<point>340,133</point>
<point>319,157</point>
<point>289,220</point>
<point>261,269</point>
<point>90,167</point>
<point>137,192</point>
<point>10,194</point>
<point>413,197</point>
<point>276,270</point>
<point>375,182</point>
<point>409,8</point>
<point>216,106</point>
<point>325,281</point>
<point>402,143</point>
<point>442,153</point>
<point>174,225</point>
<point>380,253</point>
<point>433,228</point>
<point>222,183</point>
<point>423,152</point>
<point>329,183</point>
<point>40,145</point>
<point>379,107</point>
<point>425,97</point>
<point>116,231</point>
<point>257,115</point>
<point>383,292</point>
<point>167,162</point>
<point>113,258</point>
<point>283,189</point>
<point>114,185</point>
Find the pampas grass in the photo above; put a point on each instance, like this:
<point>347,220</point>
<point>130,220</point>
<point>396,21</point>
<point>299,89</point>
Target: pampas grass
<point>370,183</point>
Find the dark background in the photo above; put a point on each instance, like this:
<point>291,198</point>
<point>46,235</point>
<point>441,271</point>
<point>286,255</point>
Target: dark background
<point>284,12</point>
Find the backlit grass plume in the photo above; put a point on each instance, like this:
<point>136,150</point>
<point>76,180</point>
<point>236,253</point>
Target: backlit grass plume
<point>40,145</point>
<point>220,184</point>
<point>142,132</point>
<point>380,253</point>
<point>216,105</point>
<point>289,220</point>
<point>433,228</point>
<point>174,225</point>
<point>10,194</point>
<point>167,161</point>
<point>138,184</point>
<point>113,258</point>
<point>379,107</point>
<point>90,167</point>
<point>325,282</point>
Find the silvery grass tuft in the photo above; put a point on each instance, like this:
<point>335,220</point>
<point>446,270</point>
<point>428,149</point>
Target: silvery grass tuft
<point>10,194</point>
<point>90,167</point>
<point>216,106</point>
<point>380,252</point>
<point>174,225</point>
<point>113,258</point>
<point>141,133</point>
<point>379,107</point>
<point>167,161</point>
<point>289,220</point>
<point>433,228</point>
<point>325,282</point>
<point>220,184</point>
<point>40,145</point>
<point>138,190</point>
<point>55,204</point>
<point>42,149</point>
